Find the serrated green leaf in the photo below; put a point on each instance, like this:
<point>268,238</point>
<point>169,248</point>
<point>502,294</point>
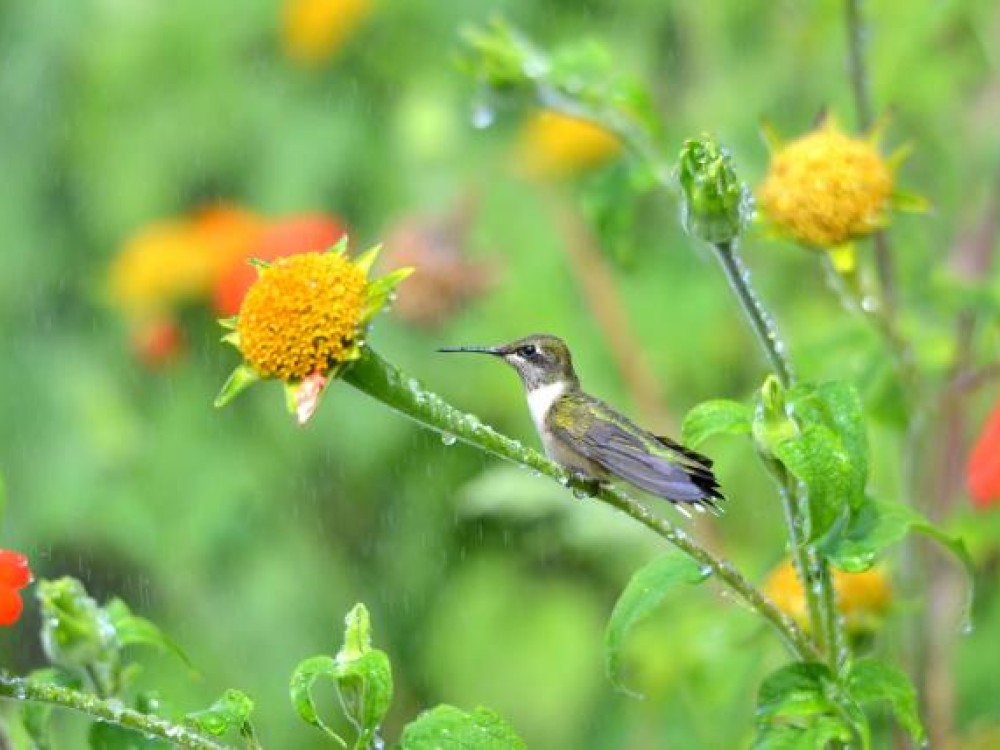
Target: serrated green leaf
<point>366,260</point>
<point>239,380</point>
<point>719,416</point>
<point>138,631</point>
<point>872,681</point>
<point>817,458</point>
<point>449,728</point>
<point>304,676</point>
<point>231,712</point>
<point>357,634</point>
<point>644,593</point>
<point>365,687</point>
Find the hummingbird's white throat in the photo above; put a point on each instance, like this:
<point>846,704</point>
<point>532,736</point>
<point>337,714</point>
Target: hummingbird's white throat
<point>540,400</point>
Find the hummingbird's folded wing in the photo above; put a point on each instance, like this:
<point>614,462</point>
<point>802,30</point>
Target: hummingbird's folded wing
<point>660,467</point>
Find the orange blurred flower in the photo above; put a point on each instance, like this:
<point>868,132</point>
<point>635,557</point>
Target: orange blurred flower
<point>14,576</point>
<point>862,598</point>
<point>982,472</point>
<point>158,342</point>
<point>553,145</point>
<point>313,30</point>
<point>285,237</point>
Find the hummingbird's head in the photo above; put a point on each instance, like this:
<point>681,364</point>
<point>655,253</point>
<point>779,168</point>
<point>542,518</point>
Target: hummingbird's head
<point>539,359</point>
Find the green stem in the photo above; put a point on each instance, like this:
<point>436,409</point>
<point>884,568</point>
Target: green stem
<point>812,568</point>
<point>386,383</point>
<point>110,711</point>
<point>761,322</point>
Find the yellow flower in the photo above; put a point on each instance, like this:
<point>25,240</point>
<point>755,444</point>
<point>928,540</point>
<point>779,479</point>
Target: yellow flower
<point>165,264</point>
<point>301,315</point>
<point>313,30</point>
<point>827,188</point>
<point>553,145</point>
<point>303,320</point>
<point>862,598</point>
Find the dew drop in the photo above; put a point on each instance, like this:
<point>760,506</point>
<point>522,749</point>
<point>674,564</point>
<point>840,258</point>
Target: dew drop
<point>483,115</point>
<point>448,439</point>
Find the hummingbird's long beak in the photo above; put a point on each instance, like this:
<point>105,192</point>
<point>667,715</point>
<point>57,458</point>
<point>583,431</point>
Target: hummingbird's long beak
<point>495,351</point>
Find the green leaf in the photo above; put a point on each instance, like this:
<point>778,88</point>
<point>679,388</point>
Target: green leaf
<point>817,458</point>
<point>710,418</point>
<point>644,593</point>
<point>837,405</point>
<point>877,525</point>
<point>230,712</point>
<point>449,728</point>
<point>818,732</point>
<point>304,676</point>
<point>798,689</point>
<point>239,380</point>
<point>104,736</point>
<point>138,631</point>
<point>873,681</point>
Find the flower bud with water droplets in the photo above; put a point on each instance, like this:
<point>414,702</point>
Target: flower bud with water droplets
<point>771,423</point>
<point>76,632</point>
<point>715,204</point>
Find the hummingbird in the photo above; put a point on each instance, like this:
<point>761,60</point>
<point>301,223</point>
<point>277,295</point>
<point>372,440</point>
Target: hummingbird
<point>593,441</point>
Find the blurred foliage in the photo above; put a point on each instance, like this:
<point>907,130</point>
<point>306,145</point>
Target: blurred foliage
<point>246,538</point>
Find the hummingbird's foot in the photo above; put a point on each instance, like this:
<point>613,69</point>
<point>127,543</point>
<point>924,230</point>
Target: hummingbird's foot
<point>584,486</point>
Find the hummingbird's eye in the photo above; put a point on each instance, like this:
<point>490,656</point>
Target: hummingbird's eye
<point>528,350</point>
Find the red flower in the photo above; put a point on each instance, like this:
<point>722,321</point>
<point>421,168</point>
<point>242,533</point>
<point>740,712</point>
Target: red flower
<point>982,474</point>
<point>14,576</point>
<point>310,233</point>
<point>158,342</point>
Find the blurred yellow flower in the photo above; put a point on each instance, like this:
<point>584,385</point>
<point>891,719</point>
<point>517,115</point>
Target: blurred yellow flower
<point>554,145</point>
<point>313,30</point>
<point>826,188</point>
<point>162,265</point>
<point>302,315</point>
<point>170,263</point>
<point>862,598</point>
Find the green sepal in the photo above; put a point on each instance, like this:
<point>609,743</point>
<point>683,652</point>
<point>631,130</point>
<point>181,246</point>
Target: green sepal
<point>259,264</point>
<point>379,292</point>
<point>340,246</point>
<point>645,591</point>
<point>366,260</point>
<point>238,381</point>
<point>229,323</point>
<point>904,200</point>
<point>232,338</point>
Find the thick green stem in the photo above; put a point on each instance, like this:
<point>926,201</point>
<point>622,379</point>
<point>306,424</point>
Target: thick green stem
<point>386,383</point>
<point>110,711</point>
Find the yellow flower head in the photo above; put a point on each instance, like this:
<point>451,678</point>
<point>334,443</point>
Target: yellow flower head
<point>826,188</point>
<point>301,315</point>
<point>302,320</point>
<point>554,145</point>
<point>164,264</point>
<point>313,30</point>
<point>862,598</point>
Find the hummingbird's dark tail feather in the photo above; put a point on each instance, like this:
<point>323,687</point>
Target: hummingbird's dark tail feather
<point>695,456</point>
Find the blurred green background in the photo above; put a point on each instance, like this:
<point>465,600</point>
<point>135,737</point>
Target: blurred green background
<point>246,538</point>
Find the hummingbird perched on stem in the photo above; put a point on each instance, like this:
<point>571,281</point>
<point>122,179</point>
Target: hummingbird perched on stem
<point>593,441</point>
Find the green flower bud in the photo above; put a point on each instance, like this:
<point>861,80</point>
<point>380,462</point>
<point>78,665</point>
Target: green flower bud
<point>771,423</point>
<point>715,204</point>
<point>76,632</point>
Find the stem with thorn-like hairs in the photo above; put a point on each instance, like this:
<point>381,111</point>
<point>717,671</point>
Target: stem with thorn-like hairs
<point>110,711</point>
<point>386,383</point>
